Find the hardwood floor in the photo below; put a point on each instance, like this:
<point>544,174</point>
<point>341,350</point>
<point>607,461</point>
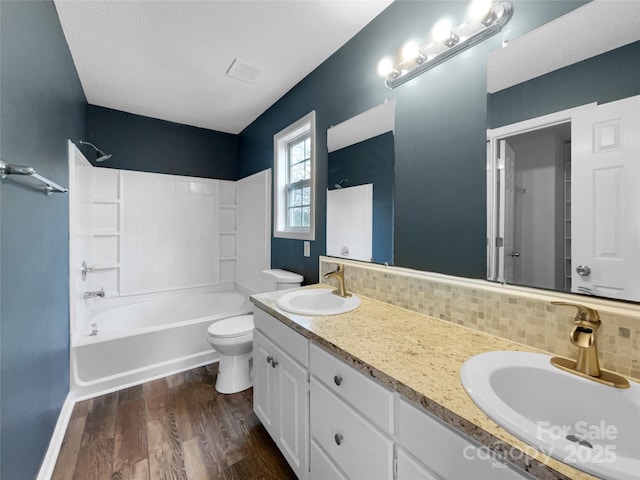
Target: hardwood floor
<point>175,428</point>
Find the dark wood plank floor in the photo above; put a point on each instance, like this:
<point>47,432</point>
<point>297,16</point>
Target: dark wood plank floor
<point>175,428</point>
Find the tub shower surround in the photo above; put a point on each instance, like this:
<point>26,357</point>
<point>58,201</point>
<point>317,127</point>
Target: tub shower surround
<point>517,314</point>
<point>150,232</point>
<point>153,240</point>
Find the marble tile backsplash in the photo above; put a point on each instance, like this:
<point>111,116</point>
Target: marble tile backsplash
<point>517,317</point>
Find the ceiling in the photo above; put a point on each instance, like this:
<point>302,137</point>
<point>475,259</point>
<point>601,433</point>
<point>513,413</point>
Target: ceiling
<point>172,59</point>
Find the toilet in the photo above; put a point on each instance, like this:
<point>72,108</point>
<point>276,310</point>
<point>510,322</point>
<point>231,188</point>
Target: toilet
<point>232,338</point>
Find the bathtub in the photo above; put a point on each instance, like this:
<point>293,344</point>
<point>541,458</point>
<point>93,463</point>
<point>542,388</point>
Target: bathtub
<point>123,345</point>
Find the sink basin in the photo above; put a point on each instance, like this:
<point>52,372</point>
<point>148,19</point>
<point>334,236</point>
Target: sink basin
<point>317,302</point>
<point>592,427</point>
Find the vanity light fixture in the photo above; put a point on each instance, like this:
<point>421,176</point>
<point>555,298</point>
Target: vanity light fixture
<point>487,19</point>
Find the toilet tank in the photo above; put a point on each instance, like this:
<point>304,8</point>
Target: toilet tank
<point>278,279</point>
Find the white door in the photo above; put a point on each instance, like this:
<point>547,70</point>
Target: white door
<point>605,196</point>
<point>506,251</point>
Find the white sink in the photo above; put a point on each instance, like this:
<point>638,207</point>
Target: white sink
<point>592,427</point>
<point>317,302</point>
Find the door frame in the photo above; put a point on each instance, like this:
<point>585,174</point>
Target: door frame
<point>494,136</point>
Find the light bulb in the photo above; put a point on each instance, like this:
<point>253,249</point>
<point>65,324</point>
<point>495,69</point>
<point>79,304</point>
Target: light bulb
<point>479,9</point>
<point>385,67</point>
<point>410,51</point>
<point>442,31</point>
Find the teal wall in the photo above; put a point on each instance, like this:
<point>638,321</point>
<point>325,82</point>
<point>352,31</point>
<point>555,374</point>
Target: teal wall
<point>42,105</point>
<point>150,145</point>
<point>440,192</point>
<point>604,78</point>
<point>370,161</point>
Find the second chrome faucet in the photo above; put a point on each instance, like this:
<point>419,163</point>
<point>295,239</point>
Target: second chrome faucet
<point>341,291</point>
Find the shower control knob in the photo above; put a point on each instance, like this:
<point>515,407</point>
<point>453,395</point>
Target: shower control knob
<point>583,270</point>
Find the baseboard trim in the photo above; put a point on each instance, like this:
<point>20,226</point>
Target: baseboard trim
<point>50,458</point>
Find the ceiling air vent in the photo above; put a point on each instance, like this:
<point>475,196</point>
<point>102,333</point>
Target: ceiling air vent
<point>243,71</point>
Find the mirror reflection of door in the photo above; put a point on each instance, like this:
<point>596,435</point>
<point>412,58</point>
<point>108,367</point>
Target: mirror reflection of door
<point>606,200</point>
<point>569,205</point>
<point>532,207</point>
<point>507,248</point>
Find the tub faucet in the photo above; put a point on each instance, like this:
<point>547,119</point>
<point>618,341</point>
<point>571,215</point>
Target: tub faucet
<point>583,336</point>
<point>339,274</point>
<point>97,293</point>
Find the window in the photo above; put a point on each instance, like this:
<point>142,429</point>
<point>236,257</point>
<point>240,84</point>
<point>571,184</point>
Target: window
<point>294,195</point>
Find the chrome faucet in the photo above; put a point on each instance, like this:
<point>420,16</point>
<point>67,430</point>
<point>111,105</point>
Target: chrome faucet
<point>97,293</point>
<point>339,274</point>
<point>583,336</point>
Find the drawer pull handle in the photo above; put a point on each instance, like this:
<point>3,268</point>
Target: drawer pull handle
<point>274,363</point>
<point>338,438</point>
<point>337,380</point>
<point>269,359</point>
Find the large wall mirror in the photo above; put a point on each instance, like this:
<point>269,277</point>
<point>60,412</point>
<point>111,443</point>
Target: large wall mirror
<point>563,176</point>
<point>361,152</point>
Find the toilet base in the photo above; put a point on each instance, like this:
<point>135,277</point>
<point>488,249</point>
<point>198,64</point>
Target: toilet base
<point>235,373</point>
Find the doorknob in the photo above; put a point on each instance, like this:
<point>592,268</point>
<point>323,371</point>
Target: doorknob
<point>583,270</point>
<point>515,254</point>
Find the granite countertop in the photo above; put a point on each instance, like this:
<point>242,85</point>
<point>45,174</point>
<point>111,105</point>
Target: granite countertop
<point>420,357</point>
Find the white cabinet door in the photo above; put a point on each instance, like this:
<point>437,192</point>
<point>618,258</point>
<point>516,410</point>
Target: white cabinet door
<point>411,469</point>
<point>280,400</point>
<point>293,415</point>
<point>265,388</point>
<point>446,451</point>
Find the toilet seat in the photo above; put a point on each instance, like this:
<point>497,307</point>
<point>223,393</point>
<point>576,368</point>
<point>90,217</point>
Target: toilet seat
<point>232,327</point>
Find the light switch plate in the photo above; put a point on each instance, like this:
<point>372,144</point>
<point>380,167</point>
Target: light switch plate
<point>307,248</point>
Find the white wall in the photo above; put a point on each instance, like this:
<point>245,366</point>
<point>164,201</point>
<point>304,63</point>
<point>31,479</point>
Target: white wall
<point>80,229</point>
<point>170,232</point>
<point>254,230</point>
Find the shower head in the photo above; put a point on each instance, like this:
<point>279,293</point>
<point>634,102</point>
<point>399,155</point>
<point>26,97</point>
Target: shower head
<point>102,156</point>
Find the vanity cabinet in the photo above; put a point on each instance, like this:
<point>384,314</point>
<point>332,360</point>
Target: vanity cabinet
<point>351,421</point>
<point>280,391</point>
<point>429,449</point>
<point>331,421</point>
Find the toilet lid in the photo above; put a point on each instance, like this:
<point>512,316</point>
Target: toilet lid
<point>232,327</point>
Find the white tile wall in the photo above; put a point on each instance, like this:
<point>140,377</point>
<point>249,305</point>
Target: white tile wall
<point>227,192</point>
<point>227,219</point>
<point>170,234</point>
<point>107,184</point>
<point>228,272</point>
<point>227,246</point>
<point>106,217</point>
<point>105,250</point>
<point>107,279</point>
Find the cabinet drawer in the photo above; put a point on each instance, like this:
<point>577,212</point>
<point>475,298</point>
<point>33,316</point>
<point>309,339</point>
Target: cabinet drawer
<point>296,345</point>
<point>368,397</point>
<point>322,468</point>
<point>353,443</point>
<point>448,453</point>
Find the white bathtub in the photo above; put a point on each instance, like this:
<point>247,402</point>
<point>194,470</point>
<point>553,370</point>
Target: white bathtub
<point>141,341</point>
